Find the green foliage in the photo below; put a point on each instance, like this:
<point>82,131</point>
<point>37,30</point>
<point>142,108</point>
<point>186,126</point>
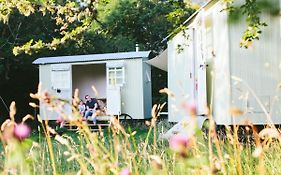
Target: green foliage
<point>127,22</point>
<point>32,26</point>
<point>145,22</point>
<point>252,10</point>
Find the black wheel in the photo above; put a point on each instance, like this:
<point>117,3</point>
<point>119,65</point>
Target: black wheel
<point>205,128</point>
<point>125,116</point>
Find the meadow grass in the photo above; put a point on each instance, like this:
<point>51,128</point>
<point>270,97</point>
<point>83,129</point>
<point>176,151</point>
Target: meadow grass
<point>135,149</point>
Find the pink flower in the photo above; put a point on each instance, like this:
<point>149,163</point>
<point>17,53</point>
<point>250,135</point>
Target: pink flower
<point>46,97</point>
<point>190,108</point>
<point>180,143</point>
<point>60,121</point>
<point>125,171</point>
<point>21,131</point>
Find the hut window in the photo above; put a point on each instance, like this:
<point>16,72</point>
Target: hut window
<point>116,76</point>
<point>60,76</point>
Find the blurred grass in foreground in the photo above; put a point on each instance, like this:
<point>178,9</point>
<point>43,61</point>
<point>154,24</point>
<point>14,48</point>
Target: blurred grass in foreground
<point>134,150</point>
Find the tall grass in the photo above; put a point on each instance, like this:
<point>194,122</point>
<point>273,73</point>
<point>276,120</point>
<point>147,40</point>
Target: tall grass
<point>120,150</point>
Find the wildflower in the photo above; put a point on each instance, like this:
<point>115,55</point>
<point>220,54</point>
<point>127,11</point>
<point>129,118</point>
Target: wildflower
<point>125,171</point>
<point>190,108</point>
<point>156,162</point>
<point>270,132</point>
<point>95,91</point>
<point>13,110</point>
<point>60,120</point>
<point>21,131</point>
<point>7,129</point>
<point>147,123</point>
<point>35,96</point>
<point>167,91</point>
<point>61,140</point>
<point>235,111</point>
<point>76,99</point>
<point>46,97</point>
<point>217,166</point>
<point>179,143</point>
<point>258,152</point>
<point>27,117</point>
<point>33,105</point>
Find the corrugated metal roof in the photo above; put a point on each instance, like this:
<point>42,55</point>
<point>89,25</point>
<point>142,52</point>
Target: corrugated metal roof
<point>92,57</point>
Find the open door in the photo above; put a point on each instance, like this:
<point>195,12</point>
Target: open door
<point>115,73</point>
<point>113,100</point>
<point>61,80</point>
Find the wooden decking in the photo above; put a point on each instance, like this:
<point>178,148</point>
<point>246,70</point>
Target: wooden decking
<point>102,122</point>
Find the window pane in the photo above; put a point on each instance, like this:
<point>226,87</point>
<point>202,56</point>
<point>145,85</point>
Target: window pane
<point>119,81</point>
<point>111,81</point>
<point>111,75</point>
<point>119,73</point>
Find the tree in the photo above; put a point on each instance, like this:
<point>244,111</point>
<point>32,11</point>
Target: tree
<point>143,21</point>
<point>29,29</point>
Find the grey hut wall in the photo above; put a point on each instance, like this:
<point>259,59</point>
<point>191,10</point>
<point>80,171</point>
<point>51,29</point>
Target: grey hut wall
<point>147,91</point>
<point>135,92</point>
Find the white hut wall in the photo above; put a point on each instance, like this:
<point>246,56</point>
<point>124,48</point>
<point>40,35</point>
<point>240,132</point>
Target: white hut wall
<point>180,74</point>
<point>51,84</point>
<point>217,58</point>
<point>259,68</point>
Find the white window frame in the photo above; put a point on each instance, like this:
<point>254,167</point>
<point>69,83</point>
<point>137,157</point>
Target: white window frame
<point>114,70</point>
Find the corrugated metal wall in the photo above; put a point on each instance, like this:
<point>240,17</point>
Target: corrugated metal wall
<point>132,90</point>
<point>259,66</point>
<point>221,68</point>
<point>180,74</point>
<point>147,91</point>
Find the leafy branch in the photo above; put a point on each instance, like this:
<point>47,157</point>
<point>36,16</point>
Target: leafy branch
<point>71,18</point>
<point>252,10</point>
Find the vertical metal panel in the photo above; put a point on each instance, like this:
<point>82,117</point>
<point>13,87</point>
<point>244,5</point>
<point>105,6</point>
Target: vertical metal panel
<point>180,74</point>
<point>45,80</point>
<point>200,63</point>
<point>221,71</point>
<point>147,91</point>
<point>259,67</point>
<point>45,72</point>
